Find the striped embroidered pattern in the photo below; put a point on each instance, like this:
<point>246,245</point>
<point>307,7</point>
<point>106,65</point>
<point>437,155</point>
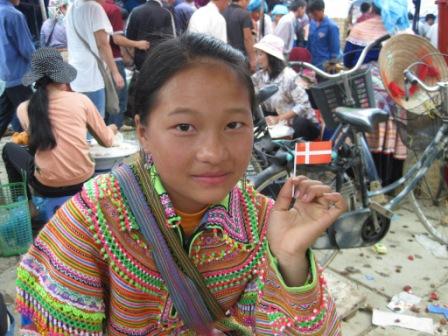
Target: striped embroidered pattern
<point>90,272</point>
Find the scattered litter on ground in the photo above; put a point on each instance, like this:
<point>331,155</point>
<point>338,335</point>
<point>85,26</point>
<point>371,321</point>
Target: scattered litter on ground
<point>379,248</point>
<point>369,277</point>
<point>403,301</point>
<point>351,269</point>
<point>437,249</point>
<point>436,309</point>
<point>385,319</point>
<point>407,289</point>
<point>415,309</point>
<point>433,296</point>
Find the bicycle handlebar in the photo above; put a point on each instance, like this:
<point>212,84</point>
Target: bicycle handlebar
<point>411,78</point>
<point>348,72</point>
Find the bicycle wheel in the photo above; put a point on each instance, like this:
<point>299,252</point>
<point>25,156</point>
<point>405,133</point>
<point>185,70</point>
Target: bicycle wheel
<point>272,185</point>
<point>430,200</point>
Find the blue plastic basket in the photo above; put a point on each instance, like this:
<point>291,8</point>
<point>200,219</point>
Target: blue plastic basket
<point>15,223</point>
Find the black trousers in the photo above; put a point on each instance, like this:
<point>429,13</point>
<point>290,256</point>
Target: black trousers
<point>9,101</point>
<point>389,168</point>
<point>19,163</point>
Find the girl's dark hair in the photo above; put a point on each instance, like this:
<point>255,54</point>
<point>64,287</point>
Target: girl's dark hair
<point>174,55</point>
<point>41,134</point>
<point>276,65</point>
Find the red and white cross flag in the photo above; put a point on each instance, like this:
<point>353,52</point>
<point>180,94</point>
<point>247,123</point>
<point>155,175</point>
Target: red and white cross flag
<point>316,152</point>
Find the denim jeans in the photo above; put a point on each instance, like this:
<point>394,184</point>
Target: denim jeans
<point>98,98</point>
<point>117,119</point>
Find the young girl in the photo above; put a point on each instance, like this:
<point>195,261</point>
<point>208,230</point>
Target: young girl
<point>177,242</point>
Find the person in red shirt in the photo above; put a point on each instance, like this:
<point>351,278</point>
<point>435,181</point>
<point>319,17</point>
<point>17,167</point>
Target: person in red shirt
<point>119,42</point>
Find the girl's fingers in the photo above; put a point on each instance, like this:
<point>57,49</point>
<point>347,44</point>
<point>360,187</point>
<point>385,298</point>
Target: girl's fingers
<point>337,203</point>
<point>308,190</point>
<point>284,197</point>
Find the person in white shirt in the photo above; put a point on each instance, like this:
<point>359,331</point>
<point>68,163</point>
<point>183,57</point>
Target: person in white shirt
<point>433,34</point>
<point>424,28</point>
<point>285,28</point>
<point>88,19</point>
<point>208,20</point>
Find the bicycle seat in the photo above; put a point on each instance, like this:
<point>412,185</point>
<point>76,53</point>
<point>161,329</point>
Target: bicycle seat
<point>364,119</point>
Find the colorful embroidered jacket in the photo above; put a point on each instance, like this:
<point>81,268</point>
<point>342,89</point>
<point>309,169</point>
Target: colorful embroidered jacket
<point>90,271</point>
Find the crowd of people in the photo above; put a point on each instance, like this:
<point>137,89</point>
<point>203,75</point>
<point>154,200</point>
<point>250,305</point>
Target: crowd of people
<point>176,242</point>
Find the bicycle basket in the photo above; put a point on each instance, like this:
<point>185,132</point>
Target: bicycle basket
<point>15,224</point>
<point>331,94</point>
<point>416,130</point>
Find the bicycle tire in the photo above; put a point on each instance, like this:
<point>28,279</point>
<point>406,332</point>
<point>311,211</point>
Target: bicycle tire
<point>266,187</point>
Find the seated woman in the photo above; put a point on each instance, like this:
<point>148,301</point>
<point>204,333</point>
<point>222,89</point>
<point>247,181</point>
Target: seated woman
<point>389,152</point>
<point>290,104</point>
<point>175,243</point>
<point>57,162</point>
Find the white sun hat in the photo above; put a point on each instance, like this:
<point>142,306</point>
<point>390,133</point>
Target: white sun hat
<point>272,45</point>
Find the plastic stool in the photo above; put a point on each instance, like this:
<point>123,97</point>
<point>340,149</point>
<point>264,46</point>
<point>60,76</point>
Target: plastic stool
<point>47,206</point>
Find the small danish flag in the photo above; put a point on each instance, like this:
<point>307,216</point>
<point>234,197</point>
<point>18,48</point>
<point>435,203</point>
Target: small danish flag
<point>315,152</point>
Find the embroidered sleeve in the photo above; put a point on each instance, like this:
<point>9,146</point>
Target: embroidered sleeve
<point>59,280</point>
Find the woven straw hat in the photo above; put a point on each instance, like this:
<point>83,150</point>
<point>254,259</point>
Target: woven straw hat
<point>397,54</point>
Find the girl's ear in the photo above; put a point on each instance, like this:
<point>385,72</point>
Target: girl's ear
<point>142,134</point>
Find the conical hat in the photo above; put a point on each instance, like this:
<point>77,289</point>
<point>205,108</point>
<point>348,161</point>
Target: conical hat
<point>397,54</point>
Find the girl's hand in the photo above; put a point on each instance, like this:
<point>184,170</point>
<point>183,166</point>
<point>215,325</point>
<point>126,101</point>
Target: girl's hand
<point>292,230</point>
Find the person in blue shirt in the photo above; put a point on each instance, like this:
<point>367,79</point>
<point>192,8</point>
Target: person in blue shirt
<point>16,48</point>
<point>323,39</point>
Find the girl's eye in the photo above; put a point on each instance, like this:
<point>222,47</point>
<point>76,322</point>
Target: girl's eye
<point>234,125</point>
<point>184,127</point>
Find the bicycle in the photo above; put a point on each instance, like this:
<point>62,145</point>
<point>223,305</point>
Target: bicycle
<point>354,174</point>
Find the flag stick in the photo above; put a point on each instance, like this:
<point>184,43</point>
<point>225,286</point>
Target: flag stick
<point>295,168</point>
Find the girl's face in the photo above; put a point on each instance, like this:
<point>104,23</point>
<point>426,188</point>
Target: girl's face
<point>262,60</point>
<point>200,134</point>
